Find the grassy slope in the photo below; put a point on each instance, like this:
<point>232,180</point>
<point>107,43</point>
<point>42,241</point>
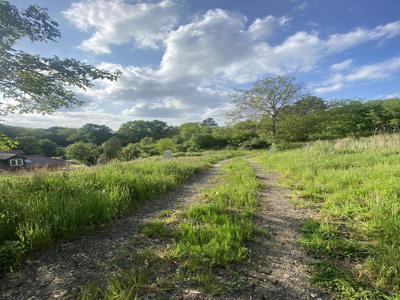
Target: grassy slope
<point>355,185</point>
<point>37,210</point>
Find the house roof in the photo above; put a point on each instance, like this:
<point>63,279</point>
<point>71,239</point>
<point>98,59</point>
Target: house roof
<point>38,160</point>
<point>18,152</point>
<point>7,156</point>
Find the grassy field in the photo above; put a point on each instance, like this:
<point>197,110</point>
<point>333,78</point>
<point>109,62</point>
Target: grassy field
<point>36,210</point>
<point>355,186</point>
<point>207,235</point>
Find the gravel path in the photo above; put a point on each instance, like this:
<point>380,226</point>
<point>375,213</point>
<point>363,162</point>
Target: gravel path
<point>278,266</point>
<point>59,271</point>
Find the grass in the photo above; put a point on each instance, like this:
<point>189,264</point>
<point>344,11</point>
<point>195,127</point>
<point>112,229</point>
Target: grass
<point>37,210</point>
<point>354,184</point>
<point>207,235</point>
<point>131,283</point>
<point>155,229</point>
<point>213,233</point>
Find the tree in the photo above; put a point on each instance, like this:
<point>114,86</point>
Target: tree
<point>147,147</point>
<point>86,153</point>
<point>48,148</point>
<point>33,145</point>
<point>209,122</point>
<point>62,136</point>
<point>111,148</point>
<point>33,82</point>
<point>267,97</point>
<point>6,143</point>
<point>303,120</point>
<point>165,144</point>
<point>134,131</point>
<point>130,152</point>
<point>93,133</point>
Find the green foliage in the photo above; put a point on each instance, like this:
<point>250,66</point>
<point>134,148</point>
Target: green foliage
<point>86,153</point>
<point>6,143</point>
<point>354,184</point>
<point>311,118</point>
<point>111,148</point>
<point>134,131</point>
<point>130,152</point>
<point>32,145</point>
<point>92,133</point>
<point>165,144</point>
<point>35,83</point>
<point>267,98</point>
<point>209,122</point>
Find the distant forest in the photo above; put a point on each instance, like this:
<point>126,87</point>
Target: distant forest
<point>308,119</point>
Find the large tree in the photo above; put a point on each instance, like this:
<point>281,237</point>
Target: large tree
<point>93,133</point>
<point>134,131</point>
<point>266,98</point>
<point>32,83</point>
<point>111,148</point>
<point>86,153</point>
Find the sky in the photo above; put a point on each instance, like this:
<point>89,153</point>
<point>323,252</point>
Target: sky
<point>181,60</point>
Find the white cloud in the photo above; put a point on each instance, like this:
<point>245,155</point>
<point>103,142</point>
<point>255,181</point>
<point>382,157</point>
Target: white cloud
<point>392,95</point>
<point>211,46</point>
<point>380,70</point>
<point>342,65</point>
<point>263,28</point>
<point>301,7</point>
<point>116,22</point>
<point>328,89</point>
<point>204,59</point>
<point>220,46</point>
<point>377,71</point>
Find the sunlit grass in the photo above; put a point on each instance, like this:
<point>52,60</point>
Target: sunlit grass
<point>37,210</point>
<point>213,233</point>
<point>355,185</point>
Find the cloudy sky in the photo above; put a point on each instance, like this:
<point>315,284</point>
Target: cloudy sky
<point>181,59</point>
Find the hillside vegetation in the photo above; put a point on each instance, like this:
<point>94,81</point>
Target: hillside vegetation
<point>39,209</point>
<point>355,186</point>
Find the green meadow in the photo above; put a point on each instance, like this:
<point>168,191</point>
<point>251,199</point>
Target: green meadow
<point>354,185</point>
<point>36,210</point>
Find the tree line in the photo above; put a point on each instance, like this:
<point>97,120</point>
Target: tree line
<point>94,143</point>
<point>308,119</point>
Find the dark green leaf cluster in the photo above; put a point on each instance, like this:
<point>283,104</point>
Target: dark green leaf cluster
<point>32,83</point>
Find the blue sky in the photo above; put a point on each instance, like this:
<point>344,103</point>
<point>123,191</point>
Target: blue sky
<point>182,59</point>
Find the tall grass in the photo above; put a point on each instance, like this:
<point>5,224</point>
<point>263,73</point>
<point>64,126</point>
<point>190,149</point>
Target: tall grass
<point>37,210</point>
<point>355,185</point>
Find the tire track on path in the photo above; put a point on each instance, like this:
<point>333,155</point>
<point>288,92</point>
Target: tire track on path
<point>278,266</point>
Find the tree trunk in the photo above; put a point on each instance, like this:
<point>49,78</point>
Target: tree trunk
<point>273,129</point>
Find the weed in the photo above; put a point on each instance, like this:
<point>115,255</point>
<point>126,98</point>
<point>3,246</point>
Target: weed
<point>155,229</point>
<point>208,283</point>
